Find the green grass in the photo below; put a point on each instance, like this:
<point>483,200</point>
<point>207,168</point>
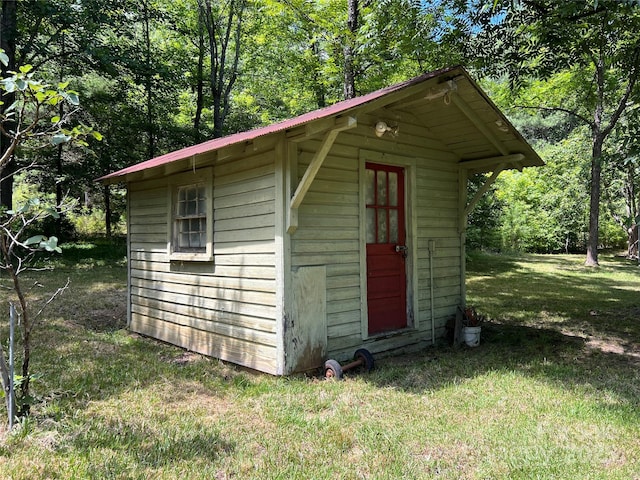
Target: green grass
<point>552,392</point>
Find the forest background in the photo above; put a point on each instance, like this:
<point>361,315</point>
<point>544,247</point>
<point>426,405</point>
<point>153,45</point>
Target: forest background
<point>158,75</point>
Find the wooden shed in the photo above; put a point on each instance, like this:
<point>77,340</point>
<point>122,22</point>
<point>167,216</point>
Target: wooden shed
<point>342,228</point>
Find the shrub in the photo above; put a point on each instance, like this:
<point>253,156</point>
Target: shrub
<point>91,223</point>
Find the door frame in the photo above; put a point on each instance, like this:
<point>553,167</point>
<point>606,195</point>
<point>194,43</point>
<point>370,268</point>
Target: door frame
<point>409,165</point>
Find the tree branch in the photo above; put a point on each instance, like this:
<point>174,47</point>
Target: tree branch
<point>57,293</point>
<point>622,104</point>
<point>558,109</point>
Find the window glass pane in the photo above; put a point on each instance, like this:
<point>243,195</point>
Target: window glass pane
<point>393,226</point>
<point>181,202</point>
<point>371,225</point>
<point>382,226</point>
<point>382,188</point>
<point>370,186</point>
<point>184,240</point>
<point>194,239</point>
<point>202,204</point>
<point>192,207</point>
<point>393,189</point>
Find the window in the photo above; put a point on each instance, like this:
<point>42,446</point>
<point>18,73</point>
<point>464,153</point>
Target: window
<point>191,237</point>
<point>191,219</point>
<point>384,191</point>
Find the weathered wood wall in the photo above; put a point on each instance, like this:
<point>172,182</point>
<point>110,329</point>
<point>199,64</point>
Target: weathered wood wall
<point>329,232</point>
<point>224,308</point>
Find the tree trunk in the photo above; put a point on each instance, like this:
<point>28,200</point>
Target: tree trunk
<point>224,62</point>
<point>59,152</point>
<point>8,33</point>
<point>25,325</point>
<point>348,49</point>
<point>107,211</point>
<point>318,87</point>
<point>594,202</point>
<point>597,140</point>
<point>632,210</point>
<point>151,148</point>
<point>197,136</point>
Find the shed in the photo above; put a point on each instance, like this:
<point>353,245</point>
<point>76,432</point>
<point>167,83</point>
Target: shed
<point>342,228</point>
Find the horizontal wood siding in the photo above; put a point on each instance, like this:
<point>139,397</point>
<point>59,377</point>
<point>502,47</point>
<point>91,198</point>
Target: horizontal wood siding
<point>224,308</point>
<point>438,221</point>
<point>328,232</point>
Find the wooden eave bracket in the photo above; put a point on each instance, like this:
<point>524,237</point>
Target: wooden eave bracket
<point>482,190</point>
<point>341,124</point>
<point>478,195</point>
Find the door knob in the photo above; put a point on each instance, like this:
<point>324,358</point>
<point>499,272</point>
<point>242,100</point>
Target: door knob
<point>402,249</point>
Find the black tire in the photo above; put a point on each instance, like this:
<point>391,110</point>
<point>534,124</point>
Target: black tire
<point>332,369</point>
<point>366,357</point>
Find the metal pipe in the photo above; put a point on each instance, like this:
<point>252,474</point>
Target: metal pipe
<point>432,247</point>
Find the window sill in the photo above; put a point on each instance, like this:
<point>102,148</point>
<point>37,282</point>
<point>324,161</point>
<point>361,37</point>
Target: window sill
<point>190,257</point>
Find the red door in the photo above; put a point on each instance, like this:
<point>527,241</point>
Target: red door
<point>386,250</point>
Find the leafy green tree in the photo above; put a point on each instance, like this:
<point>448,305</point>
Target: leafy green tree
<point>8,34</point>
<point>483,231</point>
<point>543,209</point>
<point>289,33</point>
<point>224,34</point>
<point>622,180</point>
<point>32,119</point>
<point>596,43</point>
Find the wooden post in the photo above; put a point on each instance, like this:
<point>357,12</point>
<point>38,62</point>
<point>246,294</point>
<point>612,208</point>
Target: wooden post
<point>457,329</point>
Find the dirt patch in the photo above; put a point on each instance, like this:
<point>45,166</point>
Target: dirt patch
<point>186,358</point>
<point>106,320</point>
<point>107,312</point>
<point>615,346</point>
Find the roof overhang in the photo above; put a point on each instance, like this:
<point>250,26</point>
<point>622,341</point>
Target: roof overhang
<point>445,101</point>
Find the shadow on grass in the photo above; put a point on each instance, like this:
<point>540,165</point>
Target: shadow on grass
<point>104,249</point>
<point>554,320</point>
<point>89,358</point>
<point>570,362</point>
<point>142,448</point>
<point>596,302</point>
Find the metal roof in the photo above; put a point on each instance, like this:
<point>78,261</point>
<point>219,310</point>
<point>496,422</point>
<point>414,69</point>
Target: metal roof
<point>337,109</point>
<point>249,135</point>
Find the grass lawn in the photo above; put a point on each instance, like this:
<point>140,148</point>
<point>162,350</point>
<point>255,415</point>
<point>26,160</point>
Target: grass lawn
<point>552,392</point>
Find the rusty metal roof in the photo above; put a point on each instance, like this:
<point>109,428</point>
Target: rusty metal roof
<point>217,143</point>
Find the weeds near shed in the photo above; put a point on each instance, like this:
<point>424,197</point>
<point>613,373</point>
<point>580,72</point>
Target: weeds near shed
<point>551,392</point>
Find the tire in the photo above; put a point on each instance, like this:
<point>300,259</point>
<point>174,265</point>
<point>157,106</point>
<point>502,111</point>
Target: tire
<point>332,369</point>
<point>366,357</point>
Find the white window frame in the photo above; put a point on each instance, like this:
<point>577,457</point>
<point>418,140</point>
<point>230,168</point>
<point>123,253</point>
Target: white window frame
<point>204,178</point>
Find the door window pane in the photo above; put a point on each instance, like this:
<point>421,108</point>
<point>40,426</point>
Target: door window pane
<point>370,188</point>
<point>393,226</point>
<point>382,226</point>
<point>371,225</point>
<point>393,189</point>
<point>382,188</point>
